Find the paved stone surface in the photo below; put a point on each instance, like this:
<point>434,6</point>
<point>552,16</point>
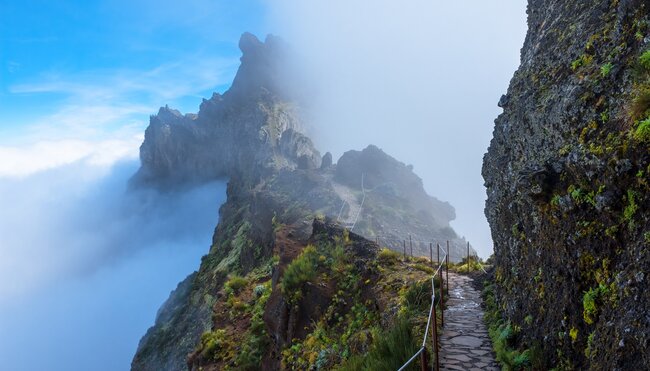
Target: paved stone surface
<point>465,344</point>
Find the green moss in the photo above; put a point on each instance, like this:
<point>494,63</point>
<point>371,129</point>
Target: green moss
<point>573,334</point>
<point>642,131</point>
<point>590,303</point>
<point>631,208</point>
<point>583,60</point>
<point>644,60</point>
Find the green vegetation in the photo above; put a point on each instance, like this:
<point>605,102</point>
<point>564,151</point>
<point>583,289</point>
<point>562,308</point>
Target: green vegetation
<point>590,300</point>
<point>213,343</point>
<point>605,69</point>
<point>235,284</point>
<point>583,60</point>
<point>504,337</point>
<point>388,256</point>
<point>642,131</point>
<point>388,352</point>
<point>300,271</point>
<point>644,60</point>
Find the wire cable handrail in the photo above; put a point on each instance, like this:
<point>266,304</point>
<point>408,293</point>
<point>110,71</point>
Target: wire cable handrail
<point>432,314</point>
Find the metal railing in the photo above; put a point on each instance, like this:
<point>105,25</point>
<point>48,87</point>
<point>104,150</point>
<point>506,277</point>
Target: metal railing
<point>432,321</point>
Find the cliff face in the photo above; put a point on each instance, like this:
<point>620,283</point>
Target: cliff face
<point>567,183</point>
<point>254,136</point>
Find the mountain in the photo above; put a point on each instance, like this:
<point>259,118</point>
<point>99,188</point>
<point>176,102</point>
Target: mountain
<point>281,193</point>
<point>567,176</point>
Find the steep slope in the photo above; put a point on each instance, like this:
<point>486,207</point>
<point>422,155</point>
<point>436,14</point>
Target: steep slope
<point>254,136</point>
<point>567,180</point>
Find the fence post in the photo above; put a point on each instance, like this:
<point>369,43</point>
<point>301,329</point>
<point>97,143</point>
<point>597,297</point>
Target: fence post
<point>447,266</point>
<point>442,299</point>
<point>431,254</point>
<point>435,337</point>
<point>467,256</point>
<point>424,360</point>
<point>404,241</point>
<point>438,253</point>
<point>411,245</point>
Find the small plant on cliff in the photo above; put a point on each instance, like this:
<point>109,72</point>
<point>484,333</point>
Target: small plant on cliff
<point>389,351</point>
<point>301,270</point>
<point>589,302</point>
<point>388,256</point>
<point>605,69</point>
<point>417,297</point>
<point>235,284</point>
<point>642,131</point>
<point>644,60</point>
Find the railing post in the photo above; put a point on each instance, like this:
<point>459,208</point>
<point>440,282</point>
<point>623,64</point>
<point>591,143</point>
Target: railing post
<point>442,300</point>
<point>447,266</point>
<point>424,360</point>
<point>404,241</point>
<point>431,254</point>
<point>435,338</point>
<point>411,245</point>
<point>438,253</point>
<point>467,256</point>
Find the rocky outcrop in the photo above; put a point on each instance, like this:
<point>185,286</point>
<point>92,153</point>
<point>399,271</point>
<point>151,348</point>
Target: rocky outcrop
<point>253,135</point>
<point>253,129</point>
<point>567,183</point>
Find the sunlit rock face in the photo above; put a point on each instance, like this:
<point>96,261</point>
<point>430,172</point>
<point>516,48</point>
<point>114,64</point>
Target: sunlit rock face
<point>254,135</point>
<point>567,182</point>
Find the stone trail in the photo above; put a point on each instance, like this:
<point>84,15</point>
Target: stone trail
<point>465,343</point>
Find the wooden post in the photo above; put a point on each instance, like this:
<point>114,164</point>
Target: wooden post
<point>404,241</point>
<point>434,334</point>
<point>442,298</point>
<point>438,256</point>
<point>431,253</point>
<point>411,245</point>
<point>467,256</point>
<point>447,266</point>
<point>424,360</point>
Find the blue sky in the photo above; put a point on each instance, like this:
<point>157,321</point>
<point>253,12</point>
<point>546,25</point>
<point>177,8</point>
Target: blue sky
<point>92,70</point>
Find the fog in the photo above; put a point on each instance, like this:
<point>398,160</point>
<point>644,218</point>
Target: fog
<point>85,264</point>
<point>420,79</point>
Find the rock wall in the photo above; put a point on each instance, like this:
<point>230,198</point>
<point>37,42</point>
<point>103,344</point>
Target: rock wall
<point>567,182</point>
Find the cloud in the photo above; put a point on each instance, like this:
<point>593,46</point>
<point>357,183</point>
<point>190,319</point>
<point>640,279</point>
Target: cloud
<point>420,79</point>
<point>77,218</point>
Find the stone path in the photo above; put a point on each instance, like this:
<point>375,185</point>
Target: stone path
<point>465,344</point>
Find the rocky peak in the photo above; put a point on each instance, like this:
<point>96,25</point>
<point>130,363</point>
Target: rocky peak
<point>254,126</point>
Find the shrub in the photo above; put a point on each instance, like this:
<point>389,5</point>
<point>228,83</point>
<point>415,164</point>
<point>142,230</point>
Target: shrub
<point>212,343</point>
<point>388,256</point>
<point>302,269</point>
<point>235,284</point>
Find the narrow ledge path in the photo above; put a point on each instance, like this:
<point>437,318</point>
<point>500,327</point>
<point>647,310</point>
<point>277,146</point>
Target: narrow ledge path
<point>465,343</point>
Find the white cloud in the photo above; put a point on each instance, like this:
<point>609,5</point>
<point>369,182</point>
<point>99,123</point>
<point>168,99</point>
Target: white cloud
<point>26,160</point>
